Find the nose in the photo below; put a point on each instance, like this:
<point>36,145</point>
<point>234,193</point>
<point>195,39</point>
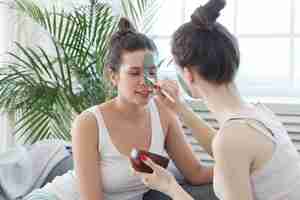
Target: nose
<point>142,80</point>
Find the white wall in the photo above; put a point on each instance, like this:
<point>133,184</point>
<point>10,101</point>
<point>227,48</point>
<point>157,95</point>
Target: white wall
<point>7,19</point>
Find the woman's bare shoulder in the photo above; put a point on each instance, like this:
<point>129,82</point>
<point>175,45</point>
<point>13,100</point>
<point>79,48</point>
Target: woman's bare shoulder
<point>88,120</point>
<point>84,123</point>
<point>236,138</point>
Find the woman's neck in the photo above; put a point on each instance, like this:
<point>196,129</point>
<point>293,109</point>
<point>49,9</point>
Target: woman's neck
<point>131,109</point>
<point>224,101</point>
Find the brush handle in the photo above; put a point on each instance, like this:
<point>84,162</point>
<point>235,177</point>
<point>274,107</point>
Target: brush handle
<point>162,91</point>
<point>167,95</point>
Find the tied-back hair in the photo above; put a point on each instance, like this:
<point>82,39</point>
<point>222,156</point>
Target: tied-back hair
<point>124,27</point>
<point>205,16</point>
<point>206,45</point>
<point>126,39</point>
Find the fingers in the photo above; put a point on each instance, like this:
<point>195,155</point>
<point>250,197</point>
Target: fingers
<point>168,83</point>
<point>147,181</point>
<point>168,92</point>
<point>170,87</point>
<point>150,163</point>
<point>147,161</point>
<point>145,177</point>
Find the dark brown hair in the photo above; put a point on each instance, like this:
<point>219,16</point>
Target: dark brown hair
<point>207,45</point>
<point>126,39</point>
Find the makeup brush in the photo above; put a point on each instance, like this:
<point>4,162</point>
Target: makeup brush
<point>151,82</point>
<point>149,62</point>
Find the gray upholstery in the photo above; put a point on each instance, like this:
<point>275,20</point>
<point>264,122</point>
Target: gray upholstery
<point>61,168</point>
<point>201,192</point>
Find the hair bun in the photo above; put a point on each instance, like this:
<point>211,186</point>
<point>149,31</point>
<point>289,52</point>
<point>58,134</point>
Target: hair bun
<point>125,26</point>
<point>205,16</point>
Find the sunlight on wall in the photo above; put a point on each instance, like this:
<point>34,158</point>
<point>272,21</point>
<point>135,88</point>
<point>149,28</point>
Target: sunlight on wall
<point>6,139</point>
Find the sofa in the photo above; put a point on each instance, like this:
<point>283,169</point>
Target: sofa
<point>25,168</point>
<point>202,192</point>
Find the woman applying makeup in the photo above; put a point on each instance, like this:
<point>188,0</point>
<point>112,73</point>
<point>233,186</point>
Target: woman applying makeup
<point>254,156</point>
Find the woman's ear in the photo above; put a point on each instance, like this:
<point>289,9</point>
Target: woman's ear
<point>113,77</point>
<point>188,75</point>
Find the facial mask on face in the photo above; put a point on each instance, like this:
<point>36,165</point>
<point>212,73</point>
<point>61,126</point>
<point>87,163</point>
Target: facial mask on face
<point>149,60</point>
<point>149,63</point>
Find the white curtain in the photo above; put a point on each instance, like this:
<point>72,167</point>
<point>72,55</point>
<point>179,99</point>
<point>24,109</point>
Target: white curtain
<point>14,27</point>
<point>7,19</point>
<point>6,137</point>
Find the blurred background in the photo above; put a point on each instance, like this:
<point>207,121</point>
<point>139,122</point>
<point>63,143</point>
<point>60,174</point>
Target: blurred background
<point>268,32</point>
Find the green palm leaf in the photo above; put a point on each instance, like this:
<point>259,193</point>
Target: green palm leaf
<point>143,13</point>
<point>46,90</point>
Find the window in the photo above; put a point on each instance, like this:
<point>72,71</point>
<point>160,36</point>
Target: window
<point>2,30</point>
<point>297,44</point>
<point>6,140</point>
<point>269,38</point>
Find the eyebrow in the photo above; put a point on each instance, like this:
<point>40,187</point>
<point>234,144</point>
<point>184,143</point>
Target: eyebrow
<point>138,68</point>
<point>134,68</point>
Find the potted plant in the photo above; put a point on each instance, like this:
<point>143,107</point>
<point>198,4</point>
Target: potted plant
<point>46,90</point>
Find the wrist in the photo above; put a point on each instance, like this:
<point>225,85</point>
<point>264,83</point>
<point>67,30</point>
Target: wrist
<point>184,111</point>
<point>173,189</point>
<point>182,108</point>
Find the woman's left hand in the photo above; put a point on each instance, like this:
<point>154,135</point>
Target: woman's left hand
<point>168,94</point>
<point>161,179</point>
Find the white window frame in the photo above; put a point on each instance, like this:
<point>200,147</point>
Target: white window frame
<point>293,91</point>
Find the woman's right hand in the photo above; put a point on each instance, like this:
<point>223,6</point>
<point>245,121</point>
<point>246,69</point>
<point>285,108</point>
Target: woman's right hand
<point>161,179</point>
<point>170,87</point>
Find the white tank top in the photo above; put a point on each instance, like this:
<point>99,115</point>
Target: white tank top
<point>279,179</point>
<point>118,181</point>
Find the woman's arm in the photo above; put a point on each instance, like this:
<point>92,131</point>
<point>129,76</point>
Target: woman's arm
<point>234,153</point>
<point>181,152</point>
<point>178,193</point>
<point>184,158</point>
<point>86,157</point>
<point>201,130</point>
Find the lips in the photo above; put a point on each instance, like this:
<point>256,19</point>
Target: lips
<point>145,92</point>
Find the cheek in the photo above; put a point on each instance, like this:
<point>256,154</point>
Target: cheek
<point>127,84</point>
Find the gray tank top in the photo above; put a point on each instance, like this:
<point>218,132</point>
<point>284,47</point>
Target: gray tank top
<point>280,176</point>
